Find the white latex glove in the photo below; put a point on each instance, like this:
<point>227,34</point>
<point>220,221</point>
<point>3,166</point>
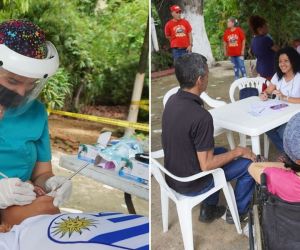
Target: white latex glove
<point>13,191</point>
<point>60,188</point>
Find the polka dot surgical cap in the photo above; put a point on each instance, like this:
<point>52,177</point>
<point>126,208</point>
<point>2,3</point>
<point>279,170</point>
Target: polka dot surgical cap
<point>23,37</point>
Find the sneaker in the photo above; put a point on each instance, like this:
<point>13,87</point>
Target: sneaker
<point>229,219</point>
<point>208,213</point>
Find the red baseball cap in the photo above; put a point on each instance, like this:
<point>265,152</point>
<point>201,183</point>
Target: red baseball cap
<point>175,8</point>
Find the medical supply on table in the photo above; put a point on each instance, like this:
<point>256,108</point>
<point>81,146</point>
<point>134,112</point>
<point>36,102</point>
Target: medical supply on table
<point>121,152</point>
<point>137,170</point>
<point>103,139</point>
<point>88,153</point>
<point>124,155</point>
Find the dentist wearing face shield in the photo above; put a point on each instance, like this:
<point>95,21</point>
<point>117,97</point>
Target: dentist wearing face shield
<point>27,61</point>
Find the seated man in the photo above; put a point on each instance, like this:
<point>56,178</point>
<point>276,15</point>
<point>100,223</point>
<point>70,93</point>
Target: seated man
<point>283,179</point>
<point>188,143</point>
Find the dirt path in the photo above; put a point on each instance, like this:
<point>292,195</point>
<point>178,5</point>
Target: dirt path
<point>67,132</point>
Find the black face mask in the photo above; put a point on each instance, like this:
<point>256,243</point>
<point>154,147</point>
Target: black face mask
<point>9,98</point>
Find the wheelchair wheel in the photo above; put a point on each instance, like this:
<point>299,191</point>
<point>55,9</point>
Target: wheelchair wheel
<point>257,228</point>
<point>254,227</point>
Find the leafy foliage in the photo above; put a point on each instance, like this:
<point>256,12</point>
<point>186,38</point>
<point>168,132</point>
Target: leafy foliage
<point>216,13</point>
<point>121,32</point>
<point>283,19</point>
<point>15,6</point>
<point>99,50</point>
<point>56,90</point>
<point>161,59</point>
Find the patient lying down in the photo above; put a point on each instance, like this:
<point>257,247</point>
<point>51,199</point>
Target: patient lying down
<point>14,215</point>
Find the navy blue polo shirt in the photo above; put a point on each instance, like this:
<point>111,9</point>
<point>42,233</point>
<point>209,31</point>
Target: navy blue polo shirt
<point>187,128</point>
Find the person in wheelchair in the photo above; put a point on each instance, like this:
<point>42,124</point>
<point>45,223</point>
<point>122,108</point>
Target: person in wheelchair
<point>283,179</point>
<point>276,206</point>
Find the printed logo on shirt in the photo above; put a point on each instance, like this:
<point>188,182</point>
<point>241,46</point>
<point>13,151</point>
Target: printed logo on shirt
<point>69,225</point>
<point>180,31</point>
<point>233,40</point>
<point>122,231</point>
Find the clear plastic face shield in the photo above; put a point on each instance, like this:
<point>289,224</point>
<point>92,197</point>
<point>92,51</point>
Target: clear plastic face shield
<point>22,78</point>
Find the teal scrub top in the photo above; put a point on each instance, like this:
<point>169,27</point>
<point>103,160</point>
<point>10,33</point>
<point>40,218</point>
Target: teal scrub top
<point>24,140</point>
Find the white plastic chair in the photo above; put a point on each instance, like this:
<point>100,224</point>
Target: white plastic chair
<point>211,103</point>
<point>245,82</point>
<point>185,204</point>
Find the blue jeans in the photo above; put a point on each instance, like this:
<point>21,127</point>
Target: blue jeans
<point>276,136</point>
<point>238,65</point>
<point>178,52</point>
<point>234,170</point>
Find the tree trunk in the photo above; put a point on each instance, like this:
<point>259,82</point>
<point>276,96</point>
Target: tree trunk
<point>139,82</point>
<point>193,12</point>
<point>154,41</point>
<point>77,96</point>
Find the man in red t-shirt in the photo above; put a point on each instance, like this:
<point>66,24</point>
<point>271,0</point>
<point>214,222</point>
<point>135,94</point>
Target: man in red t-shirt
<point>179,32</point>
<point>234,46</point>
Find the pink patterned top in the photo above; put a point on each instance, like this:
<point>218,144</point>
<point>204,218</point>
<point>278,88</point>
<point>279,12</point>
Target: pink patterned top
<point>283,183</point>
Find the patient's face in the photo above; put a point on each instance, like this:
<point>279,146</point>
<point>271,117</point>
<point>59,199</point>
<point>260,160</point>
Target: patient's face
<point>16,214</point>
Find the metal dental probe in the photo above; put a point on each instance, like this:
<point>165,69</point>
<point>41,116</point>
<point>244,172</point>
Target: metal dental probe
<point>75,173</point>
<point>72,175</point>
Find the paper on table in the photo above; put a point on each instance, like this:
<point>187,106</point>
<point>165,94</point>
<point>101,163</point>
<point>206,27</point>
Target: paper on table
<point>260,108</point>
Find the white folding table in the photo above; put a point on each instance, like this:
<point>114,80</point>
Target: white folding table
<point>236,117</point>
<point>108,177</point>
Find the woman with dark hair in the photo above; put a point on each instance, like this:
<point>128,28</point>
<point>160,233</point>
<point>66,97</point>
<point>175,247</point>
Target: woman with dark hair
<point>285,84</point>
<point>263,47</point>
<point>283,180</point>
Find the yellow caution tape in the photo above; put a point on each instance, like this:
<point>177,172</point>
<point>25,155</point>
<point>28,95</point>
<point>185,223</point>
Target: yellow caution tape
<point>105,120</point>
<point>144,107</point>
<point>141,102</point>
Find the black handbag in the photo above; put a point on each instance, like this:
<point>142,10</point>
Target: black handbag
<point>248,92</point>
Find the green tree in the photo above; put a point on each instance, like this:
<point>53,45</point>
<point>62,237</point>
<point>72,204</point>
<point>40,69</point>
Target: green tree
<point>56,90</point>
<point>98,48</point>
<point>15,6</point>
<point>216,13</point>
<point>283,19</point>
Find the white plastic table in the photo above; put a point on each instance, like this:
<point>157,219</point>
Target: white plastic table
<point>235,117</point>
<point>108,177</point>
